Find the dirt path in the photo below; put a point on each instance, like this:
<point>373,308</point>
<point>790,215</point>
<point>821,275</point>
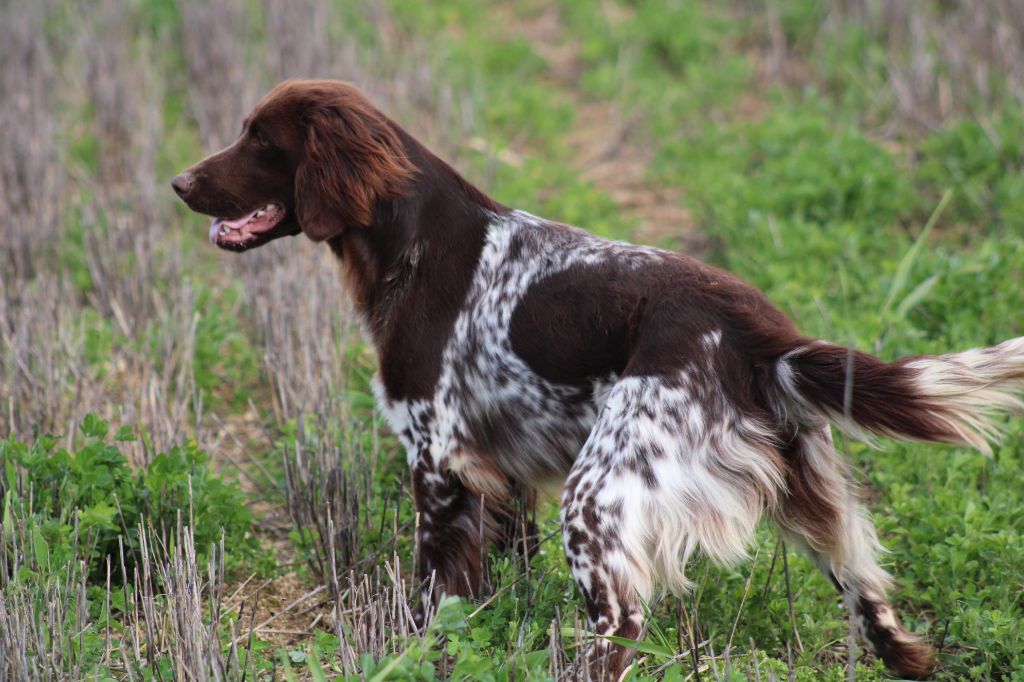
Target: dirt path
<point>609,144</point>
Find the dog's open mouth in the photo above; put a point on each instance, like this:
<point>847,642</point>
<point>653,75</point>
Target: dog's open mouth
<point>241,231</point>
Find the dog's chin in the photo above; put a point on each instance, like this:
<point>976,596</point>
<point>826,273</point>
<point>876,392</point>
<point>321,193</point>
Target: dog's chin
<point>253,229</point>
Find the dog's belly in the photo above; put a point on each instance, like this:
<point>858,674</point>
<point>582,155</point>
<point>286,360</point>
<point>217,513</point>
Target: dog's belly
<point>490,427</point>
<point>530,429</point>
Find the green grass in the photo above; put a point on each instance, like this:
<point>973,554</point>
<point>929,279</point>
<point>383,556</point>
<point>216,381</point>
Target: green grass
<point>807,200</point>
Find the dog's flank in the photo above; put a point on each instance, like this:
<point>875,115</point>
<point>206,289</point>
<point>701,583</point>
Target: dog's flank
<point>675,402</point>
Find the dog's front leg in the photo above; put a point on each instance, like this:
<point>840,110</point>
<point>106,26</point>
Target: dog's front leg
<point>450,533</point>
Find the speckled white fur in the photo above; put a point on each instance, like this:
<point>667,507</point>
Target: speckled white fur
<point>482,375</point>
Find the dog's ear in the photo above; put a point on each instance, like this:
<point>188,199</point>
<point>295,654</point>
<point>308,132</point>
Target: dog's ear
<point>353,160</point>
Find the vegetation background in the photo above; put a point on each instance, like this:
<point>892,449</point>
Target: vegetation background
<point>218,500</point>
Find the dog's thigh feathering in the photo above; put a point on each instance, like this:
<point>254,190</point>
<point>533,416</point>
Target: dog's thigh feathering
<point>663,474</point>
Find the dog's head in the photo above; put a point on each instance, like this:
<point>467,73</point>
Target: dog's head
<point>313,157</point>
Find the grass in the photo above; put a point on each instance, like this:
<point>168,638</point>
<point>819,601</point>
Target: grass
<point>860,162</point>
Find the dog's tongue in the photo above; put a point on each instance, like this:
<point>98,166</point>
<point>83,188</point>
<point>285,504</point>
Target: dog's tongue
<point>218,223</point>
<point>235,224</point>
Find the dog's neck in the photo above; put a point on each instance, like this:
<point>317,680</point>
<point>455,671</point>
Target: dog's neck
<point>409,272</point>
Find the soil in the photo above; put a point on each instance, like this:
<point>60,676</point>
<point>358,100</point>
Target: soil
<point>608,141</point>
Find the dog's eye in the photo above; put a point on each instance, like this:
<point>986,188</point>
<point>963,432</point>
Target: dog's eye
<point>259,138</point>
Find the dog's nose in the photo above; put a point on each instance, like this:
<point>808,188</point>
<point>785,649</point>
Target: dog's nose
<point>182,184</point>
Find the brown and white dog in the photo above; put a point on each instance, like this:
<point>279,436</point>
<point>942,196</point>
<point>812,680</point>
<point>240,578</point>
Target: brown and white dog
<point>673,400</point>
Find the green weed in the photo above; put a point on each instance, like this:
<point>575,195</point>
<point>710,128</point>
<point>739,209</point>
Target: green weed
<point>88,504</point>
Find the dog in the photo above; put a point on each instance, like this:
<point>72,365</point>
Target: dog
<point>671,400</point>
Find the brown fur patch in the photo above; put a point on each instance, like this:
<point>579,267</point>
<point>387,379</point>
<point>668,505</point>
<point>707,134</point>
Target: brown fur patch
<point>903,652</point>
<point>808,505</point>
<point>877,395</point>
<point>353,157</point>
<point>480,475</point>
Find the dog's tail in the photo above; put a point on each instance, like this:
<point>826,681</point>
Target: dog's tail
<point>944,398</point>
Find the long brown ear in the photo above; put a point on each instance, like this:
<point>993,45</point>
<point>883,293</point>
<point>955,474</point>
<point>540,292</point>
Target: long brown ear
<point>353,160</point>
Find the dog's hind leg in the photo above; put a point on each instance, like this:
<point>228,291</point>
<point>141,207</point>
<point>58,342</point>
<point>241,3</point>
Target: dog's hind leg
<point>821,514</point>
<point>655,482</point>
<point>601,533</point>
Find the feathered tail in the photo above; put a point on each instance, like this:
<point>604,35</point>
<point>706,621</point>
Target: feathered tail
<point>945,398</point>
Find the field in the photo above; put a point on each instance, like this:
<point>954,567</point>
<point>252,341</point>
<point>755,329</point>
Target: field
<point>194,482</point>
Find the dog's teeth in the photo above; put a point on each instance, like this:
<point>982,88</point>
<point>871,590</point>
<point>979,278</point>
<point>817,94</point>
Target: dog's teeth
<point>268,208</point>
<point>224,230</point>
<point>260,212</point>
